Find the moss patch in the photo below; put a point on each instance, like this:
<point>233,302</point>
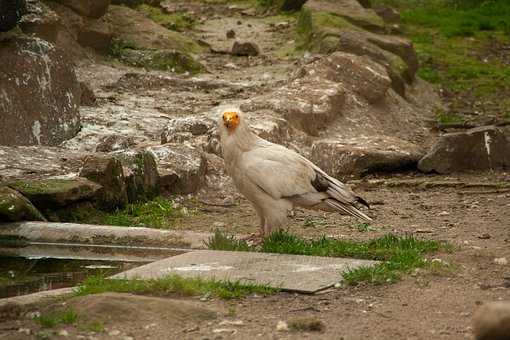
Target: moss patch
<point>173,286</point>
<point>179,21</point>
<point>163,60</point>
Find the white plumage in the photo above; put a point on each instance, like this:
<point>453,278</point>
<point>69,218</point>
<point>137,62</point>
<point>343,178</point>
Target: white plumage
<point>276,179</point>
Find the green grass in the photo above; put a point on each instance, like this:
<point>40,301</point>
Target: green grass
<point>179,21</point>
<point>444,118</point>
<point>399,255</point>
<point>173,286</point>
<point>159,213</point>
<point>62,317</point>
<point>454,40</point>
<point>69,317</point>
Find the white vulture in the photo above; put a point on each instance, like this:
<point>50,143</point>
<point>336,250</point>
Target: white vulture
<point>276,179</point>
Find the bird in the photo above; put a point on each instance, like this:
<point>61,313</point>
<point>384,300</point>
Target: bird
<point>276,179</point>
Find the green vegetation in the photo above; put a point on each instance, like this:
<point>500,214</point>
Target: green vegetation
<point>158,213</point>
<point>461,46</point>
<point>164,60</point>
<point>444,118</point>
<point>399,255</point>
<point>66,317</point>
<point>173,286</point>
<point>179,21</point>
<point>306,325</point>
<point>69,317</point>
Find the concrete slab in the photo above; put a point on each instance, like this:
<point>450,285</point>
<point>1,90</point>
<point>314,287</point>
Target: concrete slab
<point>306,274</point>
<point>99,234</point>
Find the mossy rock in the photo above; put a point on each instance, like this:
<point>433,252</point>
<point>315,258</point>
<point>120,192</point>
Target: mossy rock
<point>53,193</point>
<point>15,207</point>
<point>108,172</point>
<point>163,60</point>
<point>141,175</point>
<point>142,33</point>
<point>314,27</point>
<point>350,10</point>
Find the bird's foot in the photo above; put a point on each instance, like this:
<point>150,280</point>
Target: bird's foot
<point>254,239</point>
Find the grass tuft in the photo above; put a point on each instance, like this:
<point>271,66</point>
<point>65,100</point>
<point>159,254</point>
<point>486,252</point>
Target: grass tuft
<point>307,325</point>
<point>179,21</point>
<point>173,285</point>
<point>399,254</point>
<point>222,241</point>
<point>65,317</point>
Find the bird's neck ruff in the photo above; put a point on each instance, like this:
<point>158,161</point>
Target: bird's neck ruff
<point>241,140</point>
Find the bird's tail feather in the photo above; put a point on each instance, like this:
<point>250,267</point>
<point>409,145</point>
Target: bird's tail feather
<point>348,209</point>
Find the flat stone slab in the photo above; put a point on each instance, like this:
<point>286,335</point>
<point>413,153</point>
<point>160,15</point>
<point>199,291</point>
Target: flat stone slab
<point>100,234</point>
<point>306,274</point>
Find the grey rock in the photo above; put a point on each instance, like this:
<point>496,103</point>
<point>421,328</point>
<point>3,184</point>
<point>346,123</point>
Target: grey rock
<point>359,74</point>
<point>114,143</point>
<point>140,173</point>
<point>342,160</point>
<point>87,95</point>
<point>245,48</point>
<point>107,171</point>
<point>48,114</point>
<point>483,148</point>
<point>388,14</point>
<point>56,193</point>
<point>90,8</point>
<point>181,167</point>
<point>96,33</point>
<point>11,12</point>
<point>309,104</point>
<point>180,129</point>
<point>15,207</point>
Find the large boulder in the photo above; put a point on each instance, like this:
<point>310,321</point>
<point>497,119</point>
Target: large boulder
<point>181,129</point>
<point>11,12</point>
<point>359,74</point>
<point>133,30</point>
<point>309,104</point>
<point>343,160</point>
<point>324,31</point>
<point>96,34</point>
<point>36,71</point>
<point>56,193</point>
<point>351,10</point>
<point>181,167</point>
<point>108,172</point>
<point>141,42</point>
<point>15,207</point>
<point>89,8</point>
<point>483,148</point>
<point>41,21</point>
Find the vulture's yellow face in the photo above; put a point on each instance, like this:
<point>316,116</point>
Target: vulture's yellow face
<point>231,120</point>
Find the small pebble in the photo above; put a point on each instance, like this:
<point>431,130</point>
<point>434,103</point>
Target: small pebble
<point>282,326</point>
<point>501,261</point>
<point>233,323</point>
<point>114,332</point>
<point>63,332</point>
